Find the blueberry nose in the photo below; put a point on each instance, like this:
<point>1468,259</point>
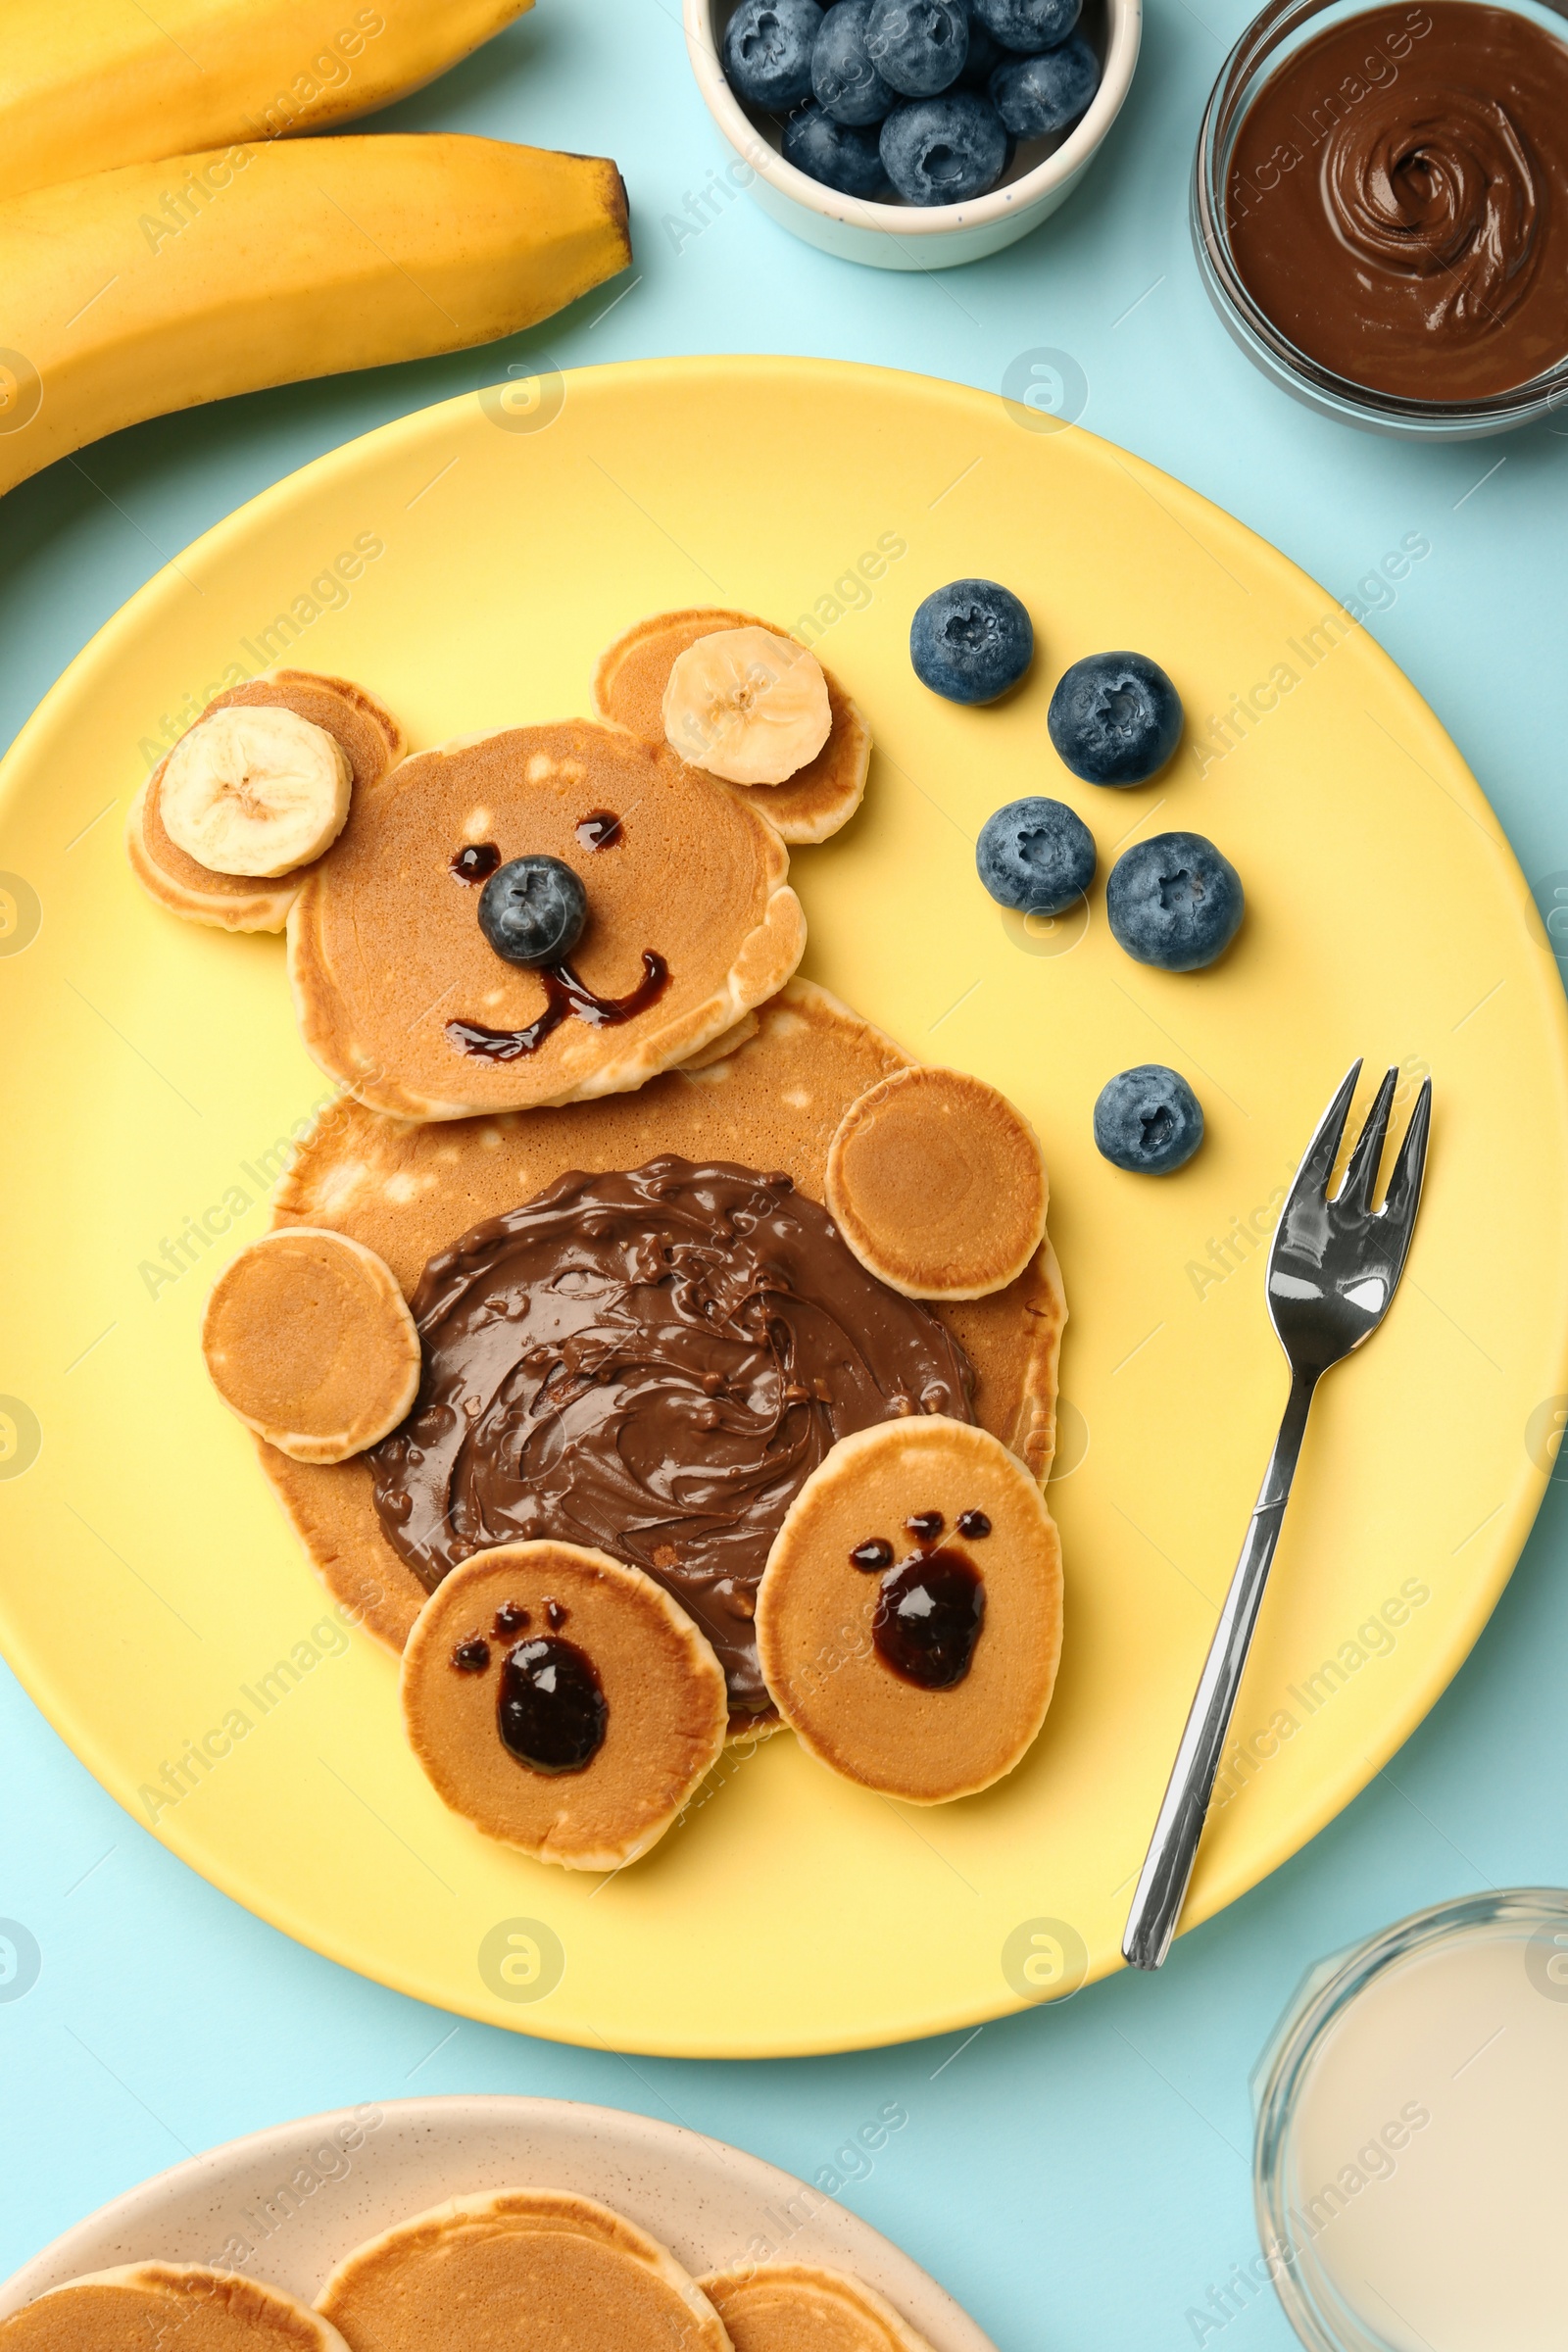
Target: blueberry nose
<point>532,910</point>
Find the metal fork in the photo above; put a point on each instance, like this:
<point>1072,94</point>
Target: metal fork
<point>1332,1272</point>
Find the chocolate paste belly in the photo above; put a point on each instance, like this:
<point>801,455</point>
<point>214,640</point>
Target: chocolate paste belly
<point>652,1364</point>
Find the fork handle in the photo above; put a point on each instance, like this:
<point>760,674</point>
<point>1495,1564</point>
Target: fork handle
<point>1163,1884</point>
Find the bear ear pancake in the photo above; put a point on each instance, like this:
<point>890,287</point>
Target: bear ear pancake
<point>372,742</point>
<point>629,681</point>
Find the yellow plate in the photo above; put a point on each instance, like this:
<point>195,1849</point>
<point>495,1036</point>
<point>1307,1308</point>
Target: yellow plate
<point>153,1077</point>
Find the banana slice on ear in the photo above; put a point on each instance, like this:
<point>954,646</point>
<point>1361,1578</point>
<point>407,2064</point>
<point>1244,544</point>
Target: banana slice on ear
<point>255,789</point>
<point>746,706</point>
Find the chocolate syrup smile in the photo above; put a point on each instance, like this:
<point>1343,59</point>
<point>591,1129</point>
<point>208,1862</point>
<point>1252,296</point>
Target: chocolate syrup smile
<point>565,994</point>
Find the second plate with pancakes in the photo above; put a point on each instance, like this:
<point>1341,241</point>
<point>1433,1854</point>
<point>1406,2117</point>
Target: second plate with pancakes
<point>445,2215</point>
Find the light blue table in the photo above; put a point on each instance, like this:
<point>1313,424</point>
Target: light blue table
<point>1078,2177</point>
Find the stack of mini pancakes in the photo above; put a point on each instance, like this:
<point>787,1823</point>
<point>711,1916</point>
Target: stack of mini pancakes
<point>541,2266</point>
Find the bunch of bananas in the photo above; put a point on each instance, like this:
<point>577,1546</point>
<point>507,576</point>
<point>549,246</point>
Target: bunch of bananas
<point>215,249</point>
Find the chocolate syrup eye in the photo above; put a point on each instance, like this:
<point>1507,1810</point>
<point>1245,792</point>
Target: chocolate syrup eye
<point>599,830</point>
<point>973,1524</point>
<point>512,1618</point>
<point>871,1555</point>
<point>476,861</point>
<point>926,1526</point>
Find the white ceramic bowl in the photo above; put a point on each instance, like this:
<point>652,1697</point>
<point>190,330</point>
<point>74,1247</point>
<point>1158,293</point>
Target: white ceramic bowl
<point>905,236</point>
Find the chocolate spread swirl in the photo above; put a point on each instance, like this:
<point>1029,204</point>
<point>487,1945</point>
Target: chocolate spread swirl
<point>1397,199</point>
<point>1449,196</point>
<point>650,1364</point>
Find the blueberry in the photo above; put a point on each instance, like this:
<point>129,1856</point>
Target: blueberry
<point>1027,25</point>
<point>1149,1120</point>
<point>767,51</point>
<point>1174,902</point>
<point>847,86</point>
<point>1037,96</point>
<point>945,150</point>
<point>971,640</point>
<point>532,910</point>
<point>837,154</point>
<point>985,56</point>
<point>917,46</point>
<point>1035,855</point>
<point>1114,718</point>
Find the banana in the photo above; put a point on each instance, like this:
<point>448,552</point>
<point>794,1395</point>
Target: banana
<point>161,286</point>
<point>106,82</point>
<point>255,789</point>
<point>746,706</point>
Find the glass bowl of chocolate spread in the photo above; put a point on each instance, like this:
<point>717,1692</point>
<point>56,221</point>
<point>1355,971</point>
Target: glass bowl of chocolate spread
<point>1380,209</point>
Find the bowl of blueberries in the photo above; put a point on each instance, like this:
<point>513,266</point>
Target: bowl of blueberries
<point>912,135</point>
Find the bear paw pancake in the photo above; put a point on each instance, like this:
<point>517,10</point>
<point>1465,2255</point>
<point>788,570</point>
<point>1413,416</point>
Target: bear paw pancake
<point>401,995</point>
<point>154,2306</point>
<point>561,1702</point>
<point>910,1617</point>
<point>937,1185</point>
<point>629,686</point>
<point>539,2268</point>
<point>308,1340</point>
<point>367,738</point>
<point>795,2307</point>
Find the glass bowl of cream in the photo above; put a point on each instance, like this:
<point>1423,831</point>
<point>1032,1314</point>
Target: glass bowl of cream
<point>1411,2157</point>
<point>1380,209</point>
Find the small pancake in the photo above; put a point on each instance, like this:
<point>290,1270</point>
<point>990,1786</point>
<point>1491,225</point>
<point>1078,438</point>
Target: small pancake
<point>407,1191</point>
<point>309,1339</point>
<point>152,2306</point>
<point>397,988</point>
<point>535,2266</point>
<point>937,1185</point>
<point>910,1617</point>
<point>629,684</point>
<point>795,2307</point>
<point>657,1721</point>
<point>372,742</point>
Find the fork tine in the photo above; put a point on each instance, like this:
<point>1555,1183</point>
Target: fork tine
<point>1361,1176</point>
<point>1312,1176</point>
<point>1404,1185</point>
